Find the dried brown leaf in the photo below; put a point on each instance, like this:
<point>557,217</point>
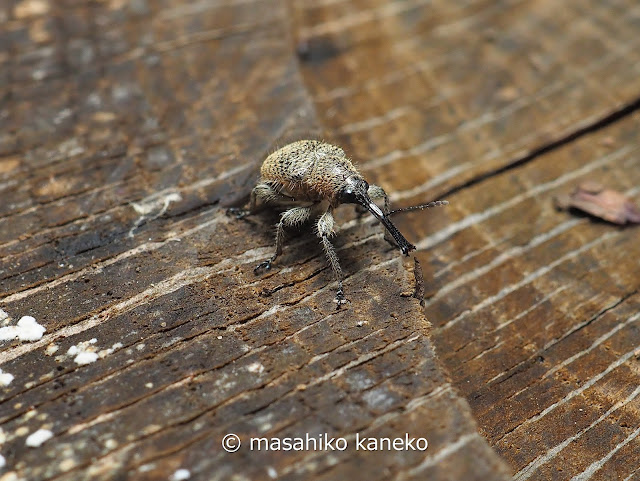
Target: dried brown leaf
<point>598,201</point>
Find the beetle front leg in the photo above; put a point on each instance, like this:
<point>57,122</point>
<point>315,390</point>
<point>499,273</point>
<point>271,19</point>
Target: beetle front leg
<point>325,230</point>
<point>377,192</point>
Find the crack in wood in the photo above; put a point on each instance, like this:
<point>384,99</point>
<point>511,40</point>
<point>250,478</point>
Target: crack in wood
<point>604,121</point>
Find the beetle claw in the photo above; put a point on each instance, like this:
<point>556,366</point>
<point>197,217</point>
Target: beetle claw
<point>340,299</point>
<point>237,212</point>
<point>266,265</point>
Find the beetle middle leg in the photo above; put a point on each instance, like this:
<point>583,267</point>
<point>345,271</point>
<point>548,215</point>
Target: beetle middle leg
<point>289,218</point>
<point>325,230</point>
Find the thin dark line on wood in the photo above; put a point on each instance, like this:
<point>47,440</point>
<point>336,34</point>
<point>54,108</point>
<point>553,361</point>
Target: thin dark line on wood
<point>378,420</point>
<point>618,114</point>
<point>363,359</point>
<point>591,320</point>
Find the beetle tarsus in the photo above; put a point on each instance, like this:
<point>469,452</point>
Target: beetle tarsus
<point>266,265</point>
<point>340,299</point>
<point>237,212</point>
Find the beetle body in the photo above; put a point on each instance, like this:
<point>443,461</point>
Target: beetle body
<point>309,170</point>
<point>309,179</point>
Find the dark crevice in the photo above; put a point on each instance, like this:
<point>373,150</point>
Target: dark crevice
<point>601,123</point>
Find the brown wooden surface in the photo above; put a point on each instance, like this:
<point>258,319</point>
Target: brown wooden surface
<point>125,125</point>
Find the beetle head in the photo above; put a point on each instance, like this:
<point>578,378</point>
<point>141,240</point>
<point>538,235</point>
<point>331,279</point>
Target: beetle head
<point>354,191</point>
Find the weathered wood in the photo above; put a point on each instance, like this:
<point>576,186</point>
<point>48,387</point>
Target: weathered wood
<point>546,343</point>
<point>534,311</point>
<point>125,125</point>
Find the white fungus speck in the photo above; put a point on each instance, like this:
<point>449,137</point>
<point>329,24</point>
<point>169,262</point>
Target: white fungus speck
<point>27,329</point>
<point>86,357</point>
<point>273,474</point>
<point>67,465</point>
<point>110,350</point>
<point>2,461</point>
<point>255,367</point>
<point>111,444</point>
<point>146,467</point>
<point>3,315</point>
<point>84,352</point>
<point>5,378</point>
<point>180,475</point>
<point>38,438</point>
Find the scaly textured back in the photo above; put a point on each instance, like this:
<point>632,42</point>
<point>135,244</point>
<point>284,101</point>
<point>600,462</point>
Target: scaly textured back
<point>308,170</point>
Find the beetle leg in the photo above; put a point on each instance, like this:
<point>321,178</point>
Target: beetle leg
<point>325,230</point>
<point>291,217</point>
<point>262,195</point>
<point>377,192</point>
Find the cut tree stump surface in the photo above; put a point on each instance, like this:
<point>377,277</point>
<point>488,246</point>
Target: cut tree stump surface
<point>126,128</point>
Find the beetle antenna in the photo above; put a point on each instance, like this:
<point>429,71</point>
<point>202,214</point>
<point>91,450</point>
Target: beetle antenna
<point>435,203</point>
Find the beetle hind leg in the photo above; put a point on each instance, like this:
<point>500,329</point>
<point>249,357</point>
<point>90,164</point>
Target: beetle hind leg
<point>262,195</point>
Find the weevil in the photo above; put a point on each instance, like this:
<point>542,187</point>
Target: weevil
<point>309,179</point>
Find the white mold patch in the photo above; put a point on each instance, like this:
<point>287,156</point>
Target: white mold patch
<point>38,438</point>
<point>255,367</point>
<point>180,475</point>
<point>5,378</point>
<point>27,329</point>
<point>86,352</point>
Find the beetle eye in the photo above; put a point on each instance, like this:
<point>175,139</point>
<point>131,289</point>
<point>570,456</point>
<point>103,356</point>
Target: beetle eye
<point>348,197</point>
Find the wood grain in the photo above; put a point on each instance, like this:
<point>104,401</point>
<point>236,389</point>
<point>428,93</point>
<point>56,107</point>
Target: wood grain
<point>126,125</point>
<point>499,106</point>
<point>126,128</point>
